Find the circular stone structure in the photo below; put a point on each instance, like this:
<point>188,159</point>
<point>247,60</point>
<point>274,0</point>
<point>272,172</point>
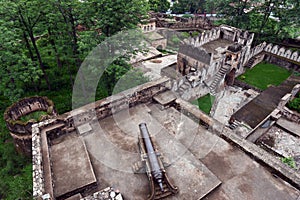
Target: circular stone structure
<point>21,130</point>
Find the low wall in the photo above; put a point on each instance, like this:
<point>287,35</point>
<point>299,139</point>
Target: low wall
<point>245,86</point>
<point>283,62</point>
<point>283,52</point>
<point>113,104</point>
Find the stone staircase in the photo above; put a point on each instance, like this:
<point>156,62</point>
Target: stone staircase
<point>218,77</point>
<point>250,62</point>
<point>234,125</point>
<point>184,87</point>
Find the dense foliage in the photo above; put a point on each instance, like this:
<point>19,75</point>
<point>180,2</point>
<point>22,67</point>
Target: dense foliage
<point>43,40</point>
<point>271,20</point>
<point>159,5</point>
<point>190,6</point>
<point>295,103</point>
<point>42,46</point>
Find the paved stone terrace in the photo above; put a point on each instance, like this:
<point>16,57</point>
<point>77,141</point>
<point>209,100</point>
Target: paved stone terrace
<point>200,160</point>
<point>113,149</point>
<point>211,47</point>
<point>71,165</point>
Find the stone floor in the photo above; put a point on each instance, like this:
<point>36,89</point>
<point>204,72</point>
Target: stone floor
<point>200,161</point>
<point>152,68</point>
<point>211,47</point>
<point>113,149</point>
<point>281,141</point>
<point>242,177</point>
<point>229,101</point>
<point>71,166</point>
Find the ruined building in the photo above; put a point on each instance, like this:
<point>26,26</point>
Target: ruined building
<point>21,131</point>
<point>214,58</point>
<point>88,152</point>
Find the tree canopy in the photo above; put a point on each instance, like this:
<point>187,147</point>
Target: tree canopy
<point>159,5</point>
<point>270,20</point>
<point>45,39</point>
<point>191,6</point>
<point>42,46</point>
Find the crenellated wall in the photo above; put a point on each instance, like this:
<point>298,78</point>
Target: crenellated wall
<point>283,52</point>
<point>204,38</point>
<point>222,32</point>
<point>22,131</point>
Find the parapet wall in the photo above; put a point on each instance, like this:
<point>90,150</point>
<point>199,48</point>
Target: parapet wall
<point>283,52</point>
<point>222,32</point>
<point>204,38</point>
<point>118,102</point>
<point>21,131</point>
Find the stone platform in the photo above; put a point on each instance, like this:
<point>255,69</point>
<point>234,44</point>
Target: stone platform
<point>71,166</point>
<point>113,149</point>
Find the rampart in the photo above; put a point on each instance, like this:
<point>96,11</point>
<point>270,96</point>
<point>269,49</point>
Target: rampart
<point>21,130</point>
<point>222,32</point>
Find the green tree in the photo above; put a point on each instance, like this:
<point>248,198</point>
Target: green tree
<point>259,16</point>
<point>113,16</point>
<point>287,13</point>
<point>159,5</point>
<point>16,67</point>
<point>192,6</point>
<point>28,14</point>
<point>236,12</point>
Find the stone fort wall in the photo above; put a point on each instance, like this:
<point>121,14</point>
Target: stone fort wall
<point>222,32</point>
<point>22,131</point>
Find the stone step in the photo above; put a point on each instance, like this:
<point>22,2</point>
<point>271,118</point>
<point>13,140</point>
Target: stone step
<point>233,126</point>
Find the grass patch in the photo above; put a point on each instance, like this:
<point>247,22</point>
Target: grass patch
<point>204,103</point>
<point>264,75</point>
<point>295,103</point>
<point>289,161</point>
<point>33,116</point>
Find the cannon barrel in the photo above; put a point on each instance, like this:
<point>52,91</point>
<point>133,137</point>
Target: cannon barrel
<point>155,168</point>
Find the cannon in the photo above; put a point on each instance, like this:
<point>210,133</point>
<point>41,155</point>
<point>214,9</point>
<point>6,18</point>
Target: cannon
<point>151,163</point>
